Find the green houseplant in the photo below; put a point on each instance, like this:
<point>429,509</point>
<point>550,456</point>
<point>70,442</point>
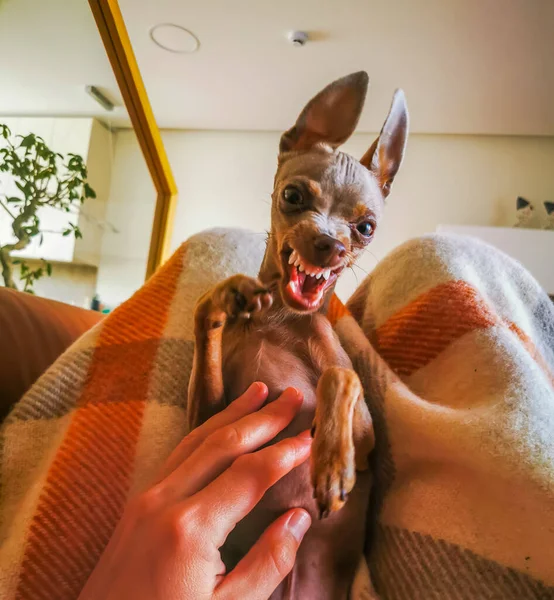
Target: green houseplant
<point>42,178</point>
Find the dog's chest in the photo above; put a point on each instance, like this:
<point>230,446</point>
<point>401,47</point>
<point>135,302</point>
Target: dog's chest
<point>277,356</point>
<point>282,357</point>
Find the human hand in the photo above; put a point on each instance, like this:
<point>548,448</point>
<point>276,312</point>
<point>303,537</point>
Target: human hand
<point>166,545</point>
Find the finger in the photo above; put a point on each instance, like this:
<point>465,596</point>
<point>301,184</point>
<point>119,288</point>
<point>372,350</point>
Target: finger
<point>249,402</point>
<point>228,499</point>
<point>223,446</point>
<point>269,561</point>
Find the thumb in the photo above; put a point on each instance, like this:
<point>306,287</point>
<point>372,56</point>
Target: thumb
<point>269,561</point>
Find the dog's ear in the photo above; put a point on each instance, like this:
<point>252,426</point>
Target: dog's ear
<point>384,157</point>
<point>330,117</point>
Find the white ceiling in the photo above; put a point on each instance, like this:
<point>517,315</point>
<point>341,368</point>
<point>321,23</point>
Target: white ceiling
<point>467,66</point>
<point>50,51</point>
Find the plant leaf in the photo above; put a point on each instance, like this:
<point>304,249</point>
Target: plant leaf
<point>44,174</point>
<point>25,188</point>
<point>89,192</point>
<point>28,141</point>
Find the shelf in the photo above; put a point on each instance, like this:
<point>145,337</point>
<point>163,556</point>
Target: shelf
<point>533,248</point>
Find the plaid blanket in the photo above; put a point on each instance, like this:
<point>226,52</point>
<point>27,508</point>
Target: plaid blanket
<point>453,342</point>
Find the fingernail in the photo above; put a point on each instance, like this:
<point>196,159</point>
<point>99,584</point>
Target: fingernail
<point>292,393</point>
<point>255,395</point>
<point>259,388</point>
<point>299,523</point>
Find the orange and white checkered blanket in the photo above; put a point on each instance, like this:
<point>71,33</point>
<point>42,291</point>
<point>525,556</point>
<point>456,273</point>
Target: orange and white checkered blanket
<point>454,343</point>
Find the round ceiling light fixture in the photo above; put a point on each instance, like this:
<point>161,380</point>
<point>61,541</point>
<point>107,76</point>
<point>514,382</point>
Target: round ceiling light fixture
<point>174,38</point>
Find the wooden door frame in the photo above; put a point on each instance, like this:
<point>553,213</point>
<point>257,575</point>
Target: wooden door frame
<point>113,32</point>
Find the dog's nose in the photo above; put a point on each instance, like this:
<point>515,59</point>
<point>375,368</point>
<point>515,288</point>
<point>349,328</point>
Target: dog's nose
<point>328,251</point>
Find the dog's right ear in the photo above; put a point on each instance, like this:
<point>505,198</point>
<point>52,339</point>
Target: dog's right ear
<point>384,157</point>
<point>329,118</point>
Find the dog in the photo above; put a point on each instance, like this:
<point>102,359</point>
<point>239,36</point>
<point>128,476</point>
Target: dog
<point>326,206</point>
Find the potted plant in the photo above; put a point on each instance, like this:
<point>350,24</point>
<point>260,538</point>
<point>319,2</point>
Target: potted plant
<point>42,178</point>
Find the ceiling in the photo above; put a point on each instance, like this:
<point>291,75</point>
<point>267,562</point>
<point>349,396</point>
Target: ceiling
<point>467,66</point>
<point>51,50</point>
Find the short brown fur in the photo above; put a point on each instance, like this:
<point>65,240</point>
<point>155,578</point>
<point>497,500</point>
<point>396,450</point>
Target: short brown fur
<point>255,330</point>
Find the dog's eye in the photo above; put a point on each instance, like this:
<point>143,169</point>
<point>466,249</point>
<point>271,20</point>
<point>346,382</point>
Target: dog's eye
<point>365,228</point>
<point>293,195</point>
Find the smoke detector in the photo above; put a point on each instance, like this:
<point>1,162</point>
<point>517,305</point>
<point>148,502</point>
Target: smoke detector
<point>298,38</point>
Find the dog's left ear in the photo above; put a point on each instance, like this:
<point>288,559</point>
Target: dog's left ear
<point>330,117</point>
<point>384,157</point>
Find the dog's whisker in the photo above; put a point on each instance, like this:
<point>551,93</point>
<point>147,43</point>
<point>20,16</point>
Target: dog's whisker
<point>355,275</point>
<point>373,256</point>
<point>361,269</point>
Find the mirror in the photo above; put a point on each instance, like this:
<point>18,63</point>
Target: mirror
<point>69,229</point>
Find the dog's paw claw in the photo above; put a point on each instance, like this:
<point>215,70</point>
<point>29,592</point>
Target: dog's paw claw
<point>241,297</point>
<point>333,476</point>
<point>323,513</point>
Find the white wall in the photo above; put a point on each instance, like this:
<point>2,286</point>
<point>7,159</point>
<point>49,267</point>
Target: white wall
<point>226,178</point>
<point>64,136</point>
<point>92,215</point>
<point>130,210</point>
<point>71,283</point>
<point>73,277</point>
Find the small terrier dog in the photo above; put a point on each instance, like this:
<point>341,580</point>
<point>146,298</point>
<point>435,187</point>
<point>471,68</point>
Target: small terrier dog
<point>325,209</point>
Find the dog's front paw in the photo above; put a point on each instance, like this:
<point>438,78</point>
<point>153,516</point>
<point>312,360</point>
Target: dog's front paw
<point>242,297</point>
<point>333,472</point>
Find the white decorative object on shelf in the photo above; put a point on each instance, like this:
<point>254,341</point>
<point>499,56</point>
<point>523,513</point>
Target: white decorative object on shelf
<point>549,223</point>
<point>524,212</point>
<point>533,248</point>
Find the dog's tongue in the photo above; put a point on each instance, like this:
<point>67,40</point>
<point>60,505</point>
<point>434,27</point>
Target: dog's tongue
<point>310,284</point>
<point>305,289</point>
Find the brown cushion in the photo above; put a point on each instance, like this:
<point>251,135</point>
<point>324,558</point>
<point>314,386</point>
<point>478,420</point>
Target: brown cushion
<point>33,333</point>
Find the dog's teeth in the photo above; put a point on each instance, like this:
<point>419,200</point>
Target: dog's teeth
<point>327,273</point>
<point>292,257</point>
<point>318,276</point>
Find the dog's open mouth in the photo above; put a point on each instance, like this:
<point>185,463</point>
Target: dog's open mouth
<point>306,283</point>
